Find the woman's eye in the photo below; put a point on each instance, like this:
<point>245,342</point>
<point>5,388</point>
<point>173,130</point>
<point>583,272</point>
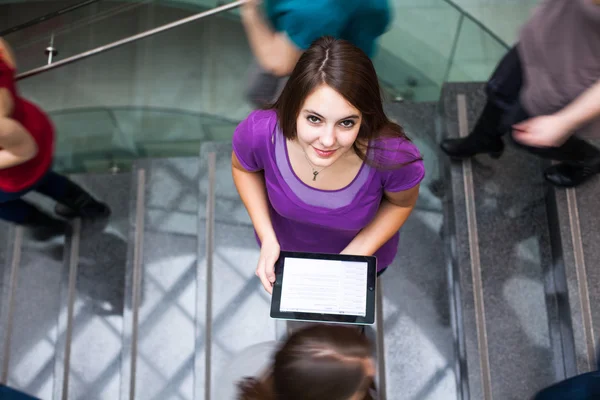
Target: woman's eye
<point>347,124</point>
<point>313,120</point>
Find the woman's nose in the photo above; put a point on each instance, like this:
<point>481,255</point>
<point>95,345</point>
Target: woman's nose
<point>328,138</point>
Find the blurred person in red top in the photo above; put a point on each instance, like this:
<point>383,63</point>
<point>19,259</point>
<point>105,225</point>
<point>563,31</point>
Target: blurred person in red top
<point>26,151</point>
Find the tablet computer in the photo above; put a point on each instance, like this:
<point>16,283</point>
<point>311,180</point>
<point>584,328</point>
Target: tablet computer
<point>330,288</point>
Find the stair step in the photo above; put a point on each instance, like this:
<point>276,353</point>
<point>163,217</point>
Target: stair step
<point>90,341</point>
<point>7,236</point>
<point>420,356</point>
<point>34,323</point>
<point>576,235</point>
<point>164,335</point>
<point>44,341</point>
<point>502,265</point>
<point>240,306</point>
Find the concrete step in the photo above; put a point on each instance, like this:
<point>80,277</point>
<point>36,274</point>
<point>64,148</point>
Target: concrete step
<point>498,238</point>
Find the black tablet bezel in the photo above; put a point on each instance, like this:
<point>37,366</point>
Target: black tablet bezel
<point>371,289</point>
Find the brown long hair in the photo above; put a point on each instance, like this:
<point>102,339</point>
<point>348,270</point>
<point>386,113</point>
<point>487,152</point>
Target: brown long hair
<point>349,71</point>
<point>317,363</point>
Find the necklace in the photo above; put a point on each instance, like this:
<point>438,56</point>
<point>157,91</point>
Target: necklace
<point>316,172</point>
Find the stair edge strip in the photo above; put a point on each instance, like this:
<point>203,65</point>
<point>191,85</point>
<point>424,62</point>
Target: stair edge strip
<point>482,340</point>
<point>10,307</point>
<point>582,279</point>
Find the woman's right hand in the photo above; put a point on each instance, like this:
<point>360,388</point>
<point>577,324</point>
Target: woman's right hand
<point>269,253</point>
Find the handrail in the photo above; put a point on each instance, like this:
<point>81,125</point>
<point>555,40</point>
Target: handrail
<point>183,21</point>
<point>46,17</point>
<point>119,43</point>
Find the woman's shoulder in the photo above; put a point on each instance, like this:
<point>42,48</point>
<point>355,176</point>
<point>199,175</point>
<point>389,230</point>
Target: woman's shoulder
<point>261,120</point>
<point>390,151</point>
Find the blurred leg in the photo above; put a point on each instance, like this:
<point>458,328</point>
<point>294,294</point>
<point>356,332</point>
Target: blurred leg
<point>73,200</point>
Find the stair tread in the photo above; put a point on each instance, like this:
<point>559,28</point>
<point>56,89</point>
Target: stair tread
<point>170,340</point>
<point>586,217</point>
<point>514,252</point>
<point>99,294</point>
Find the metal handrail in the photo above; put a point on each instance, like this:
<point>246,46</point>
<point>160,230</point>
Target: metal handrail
<point>119,43</point>
<point>46,17</point>
<point>183,21</point>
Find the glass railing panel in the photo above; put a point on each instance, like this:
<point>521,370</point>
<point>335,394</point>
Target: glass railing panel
<point>503,18</point>
<point>430,42</point>
<point>413,54</point>
<point>477,54</point>
<point>15,15</point>
<point>96,25</point>
<point>141,100</point>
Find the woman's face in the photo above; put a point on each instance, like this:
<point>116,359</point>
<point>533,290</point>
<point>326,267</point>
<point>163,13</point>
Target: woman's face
<point>327,126</point>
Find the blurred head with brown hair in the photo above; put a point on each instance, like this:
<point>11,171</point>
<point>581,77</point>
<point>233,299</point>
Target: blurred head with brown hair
<point>322,362</point>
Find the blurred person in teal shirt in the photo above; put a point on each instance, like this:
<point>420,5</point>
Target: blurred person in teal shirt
<point>281,30</point>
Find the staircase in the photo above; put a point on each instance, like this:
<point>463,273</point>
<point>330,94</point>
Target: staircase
<point>158,302</point>
<point>491,295</point>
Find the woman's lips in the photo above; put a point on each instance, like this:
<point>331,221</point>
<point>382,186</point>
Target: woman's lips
<point>324,153</point>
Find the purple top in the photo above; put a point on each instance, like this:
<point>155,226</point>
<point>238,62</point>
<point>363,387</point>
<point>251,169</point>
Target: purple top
<point>323,221</point>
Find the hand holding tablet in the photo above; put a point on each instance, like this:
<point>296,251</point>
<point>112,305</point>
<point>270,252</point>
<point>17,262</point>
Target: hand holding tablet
<point>265,270</point>
<point>324,287</point>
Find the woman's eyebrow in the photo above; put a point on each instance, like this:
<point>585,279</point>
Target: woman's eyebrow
<point>353,116</point>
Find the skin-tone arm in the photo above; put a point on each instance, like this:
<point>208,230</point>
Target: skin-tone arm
<point>6,103</point>
<point>392,214</point>
<point>553,130</point>
<point>17,145</point>
<point>274,51</point>
<point>252,190</point>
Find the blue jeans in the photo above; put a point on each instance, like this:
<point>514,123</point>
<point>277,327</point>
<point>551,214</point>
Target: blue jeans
<point>14,209</point>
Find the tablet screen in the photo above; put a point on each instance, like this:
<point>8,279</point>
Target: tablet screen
<point>324,286</point>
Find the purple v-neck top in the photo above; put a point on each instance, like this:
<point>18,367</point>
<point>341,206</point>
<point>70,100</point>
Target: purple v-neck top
<point>323,221</point>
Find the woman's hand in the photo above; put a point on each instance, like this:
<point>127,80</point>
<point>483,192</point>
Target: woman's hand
<point>269,253</point>
<point>543,131</point>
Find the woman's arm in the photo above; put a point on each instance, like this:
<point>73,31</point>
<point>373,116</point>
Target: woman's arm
<point>251,187</point>
<point>392,214</point>
<point>7,53</point>
<point>252,190</point>
<point>17,145</point>
<point>274,51</point>
<point>553,130</point>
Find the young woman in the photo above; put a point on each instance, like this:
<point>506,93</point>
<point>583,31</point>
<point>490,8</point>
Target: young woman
<point>26,150</point>
<point>321,362</point>
<point>324,170</point>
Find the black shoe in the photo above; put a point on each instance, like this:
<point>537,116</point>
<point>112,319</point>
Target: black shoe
<point>42,227</point>
<point>570,175</point>
<point>472,145</point>
<point>88,208</point>
<point>79,203</point>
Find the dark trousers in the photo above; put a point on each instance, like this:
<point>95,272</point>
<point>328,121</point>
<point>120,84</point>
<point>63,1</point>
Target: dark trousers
<point>504,109</point>
<point>581,387</point>
<point>7,393</point>
<point>14,209</point>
